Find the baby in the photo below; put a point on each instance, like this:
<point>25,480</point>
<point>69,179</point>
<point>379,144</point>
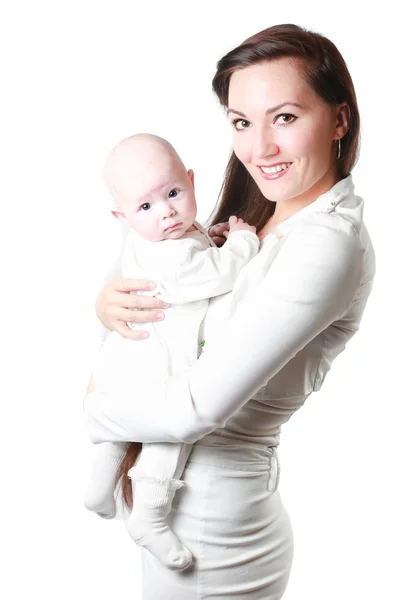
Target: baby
<point>154,194</point>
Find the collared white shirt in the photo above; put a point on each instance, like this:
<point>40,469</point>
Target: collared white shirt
<point>269,343</point>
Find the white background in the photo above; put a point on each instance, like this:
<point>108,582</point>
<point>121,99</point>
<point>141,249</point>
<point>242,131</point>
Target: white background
<point>78,77</point>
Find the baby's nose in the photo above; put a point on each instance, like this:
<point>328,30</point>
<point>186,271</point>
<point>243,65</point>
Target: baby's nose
<point>168,210</point>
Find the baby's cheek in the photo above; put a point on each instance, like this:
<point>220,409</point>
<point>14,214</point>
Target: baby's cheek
<point>149,228</point>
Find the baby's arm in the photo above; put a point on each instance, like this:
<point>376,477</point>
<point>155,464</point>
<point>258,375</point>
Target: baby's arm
<point>206,273</point>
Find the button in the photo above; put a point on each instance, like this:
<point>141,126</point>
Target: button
<point>333,203</point>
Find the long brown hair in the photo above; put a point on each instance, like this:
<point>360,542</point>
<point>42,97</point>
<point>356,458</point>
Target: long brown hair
<point>122,478</point>
<point>325,71</point>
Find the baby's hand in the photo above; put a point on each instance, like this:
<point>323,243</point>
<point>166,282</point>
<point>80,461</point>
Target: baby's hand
<point>218,233</point>
<point>236,224</point>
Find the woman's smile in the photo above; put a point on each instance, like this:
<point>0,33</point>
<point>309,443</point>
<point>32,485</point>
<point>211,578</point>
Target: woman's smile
<point>274,171</point>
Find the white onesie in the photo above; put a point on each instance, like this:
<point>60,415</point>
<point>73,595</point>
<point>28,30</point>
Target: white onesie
<point>188,271</point>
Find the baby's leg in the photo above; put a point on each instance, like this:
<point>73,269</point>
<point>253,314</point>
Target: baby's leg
<point>154,481</point>
<point>99,495</point>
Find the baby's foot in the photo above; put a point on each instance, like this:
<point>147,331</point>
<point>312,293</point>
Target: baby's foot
<point>99,496</point>
<point>102,504</point>
<point>147,524</point>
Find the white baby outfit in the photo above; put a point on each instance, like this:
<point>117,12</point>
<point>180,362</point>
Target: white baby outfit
<point>188,272</point>
<point>294,308</point>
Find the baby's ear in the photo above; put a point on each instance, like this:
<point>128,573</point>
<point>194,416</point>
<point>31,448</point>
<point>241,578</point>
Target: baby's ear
<point>191,176</point>
<point>118,215</point>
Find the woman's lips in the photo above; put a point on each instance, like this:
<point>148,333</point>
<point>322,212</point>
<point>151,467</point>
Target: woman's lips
<point>272,176</point>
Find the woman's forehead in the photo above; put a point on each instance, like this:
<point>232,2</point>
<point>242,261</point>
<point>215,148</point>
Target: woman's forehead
<point>269,84</point>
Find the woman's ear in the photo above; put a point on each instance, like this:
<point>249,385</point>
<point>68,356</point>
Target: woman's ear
<point>191,176</point>
<point>342,120</point>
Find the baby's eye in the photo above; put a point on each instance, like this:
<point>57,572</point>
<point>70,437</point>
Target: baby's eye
<point>173,194</point>
<point>146,206</point>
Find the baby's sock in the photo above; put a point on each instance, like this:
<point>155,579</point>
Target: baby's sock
<point>147,524</point>
<point>99,496</point>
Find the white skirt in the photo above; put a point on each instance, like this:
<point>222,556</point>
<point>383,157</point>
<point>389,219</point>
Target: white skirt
<point>231,517</point>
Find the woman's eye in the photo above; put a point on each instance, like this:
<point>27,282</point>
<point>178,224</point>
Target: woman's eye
<point>240,124</point>
<point>145,206</point>
<point>173,194</point>
<point>285,119</point>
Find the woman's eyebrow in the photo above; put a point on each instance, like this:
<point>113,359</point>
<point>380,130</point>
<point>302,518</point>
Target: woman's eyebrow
<point>268,111</point>
<point>279,106</point>
<point>232,110</point>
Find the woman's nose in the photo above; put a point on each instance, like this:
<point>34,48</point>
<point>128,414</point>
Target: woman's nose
<point>264,145</point>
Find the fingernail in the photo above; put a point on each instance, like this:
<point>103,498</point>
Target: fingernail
<point>144,335</point>
<point>151,285</point>
<point>165,305</point>
<point>160,316</point>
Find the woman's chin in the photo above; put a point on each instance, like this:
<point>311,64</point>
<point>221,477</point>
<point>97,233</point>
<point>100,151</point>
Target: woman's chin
<point>278,193</point>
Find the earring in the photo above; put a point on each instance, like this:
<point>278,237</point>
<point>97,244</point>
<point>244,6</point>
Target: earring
<point>338,153</point>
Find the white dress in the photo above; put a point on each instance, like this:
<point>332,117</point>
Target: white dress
<point>294,308</point>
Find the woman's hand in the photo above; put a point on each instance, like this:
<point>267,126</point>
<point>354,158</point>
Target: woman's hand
<point>218,233</point>
<point>116,307</point>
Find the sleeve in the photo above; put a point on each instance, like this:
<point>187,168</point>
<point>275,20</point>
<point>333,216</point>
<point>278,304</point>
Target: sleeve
<point>205,273</point>
<point>310,284</point>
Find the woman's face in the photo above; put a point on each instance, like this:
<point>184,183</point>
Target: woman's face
<point>283,132</point>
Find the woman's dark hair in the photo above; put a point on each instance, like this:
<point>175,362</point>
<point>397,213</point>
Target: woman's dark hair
<point>325,71</point>
<point>122,478</point>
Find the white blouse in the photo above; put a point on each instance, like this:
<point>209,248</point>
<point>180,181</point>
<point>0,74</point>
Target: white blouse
<point>268,344</point>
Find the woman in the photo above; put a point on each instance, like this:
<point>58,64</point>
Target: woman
<point>269,343</point>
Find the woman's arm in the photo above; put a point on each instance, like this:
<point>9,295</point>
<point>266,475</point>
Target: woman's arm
<point>311,283</point>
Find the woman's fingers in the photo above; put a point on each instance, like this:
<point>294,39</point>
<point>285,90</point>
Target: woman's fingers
<point>126,284</point>
<point>141,302</point>
<point>133,308</point>
<point>116,306</point>
<point>127,315</point>
<point>126,332</point>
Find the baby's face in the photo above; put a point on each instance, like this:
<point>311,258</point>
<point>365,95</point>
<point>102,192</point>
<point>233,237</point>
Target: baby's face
<point>161,203</point>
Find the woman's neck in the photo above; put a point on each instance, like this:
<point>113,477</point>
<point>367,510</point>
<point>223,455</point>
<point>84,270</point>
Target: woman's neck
<point>288,208</point>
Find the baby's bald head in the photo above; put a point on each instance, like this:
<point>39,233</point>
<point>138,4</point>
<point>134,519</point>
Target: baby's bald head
<point>135,157</point>
<point>150,186</point>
